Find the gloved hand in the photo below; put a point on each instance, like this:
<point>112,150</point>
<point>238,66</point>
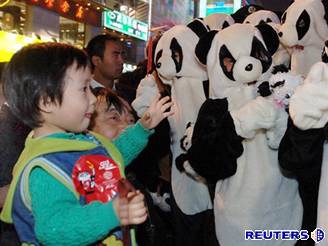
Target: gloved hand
<point>256,114</point>
<point>146,92</point>
<point>308,107</point>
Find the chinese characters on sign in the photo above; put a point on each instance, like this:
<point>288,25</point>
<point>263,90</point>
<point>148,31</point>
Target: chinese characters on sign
<point>125,24</point>
<point>70,9</point>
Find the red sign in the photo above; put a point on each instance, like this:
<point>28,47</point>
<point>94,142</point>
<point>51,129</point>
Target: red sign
<point>71,10</point>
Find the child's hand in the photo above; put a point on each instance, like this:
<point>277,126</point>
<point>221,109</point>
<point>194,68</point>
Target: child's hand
<point>131,210</point>
<point>157,112</point>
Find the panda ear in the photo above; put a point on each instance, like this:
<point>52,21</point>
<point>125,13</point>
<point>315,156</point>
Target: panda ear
<point>203,46</point>
<point>198,27</point>
<point>269,36</point>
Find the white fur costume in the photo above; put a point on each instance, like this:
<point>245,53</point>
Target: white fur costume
<point>282,86</point>
<point>281,56</point>
<point>177,66</point>
<point>257,196</point>
<point>304,29</point>
<point>187,93</point>
<point>309,110</point>
<point>218,21</point>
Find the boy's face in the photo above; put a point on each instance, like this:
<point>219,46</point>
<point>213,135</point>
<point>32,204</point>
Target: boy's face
<point>109,121</point>
<point>78,103</point>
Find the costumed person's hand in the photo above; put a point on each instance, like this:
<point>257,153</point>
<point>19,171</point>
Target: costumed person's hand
<point>157,111</point>
<point>308,107</point>
<point>146,92</point>
<point>256,114</point>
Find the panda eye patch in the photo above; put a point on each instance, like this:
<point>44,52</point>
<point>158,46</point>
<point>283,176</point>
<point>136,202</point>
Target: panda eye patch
<point>303,24</point>
<point>259,52</point>
<point>158,55</point>
<point>177,54</point>
<point>226,62</point>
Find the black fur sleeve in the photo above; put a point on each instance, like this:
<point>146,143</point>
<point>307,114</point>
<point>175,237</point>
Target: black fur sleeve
<point>300,152</point>
<point>215,143</point>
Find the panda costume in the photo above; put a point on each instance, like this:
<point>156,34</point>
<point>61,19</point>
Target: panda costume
<point>177,66</point>
<point>281,56</point>
<point>304,150</point>
<point>304,29</point>
<point>229,144</point>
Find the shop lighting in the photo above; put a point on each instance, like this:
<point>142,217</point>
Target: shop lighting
<point>4,3</point>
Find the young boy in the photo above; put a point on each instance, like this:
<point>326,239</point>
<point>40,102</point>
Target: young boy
<point>48,87</point>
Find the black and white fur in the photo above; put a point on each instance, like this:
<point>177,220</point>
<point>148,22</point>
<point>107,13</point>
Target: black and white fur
<point>251,191</point>
<point>176,64</point>
<point>304,30</point>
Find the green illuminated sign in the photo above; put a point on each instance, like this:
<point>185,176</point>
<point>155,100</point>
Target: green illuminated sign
<point>125,24</point>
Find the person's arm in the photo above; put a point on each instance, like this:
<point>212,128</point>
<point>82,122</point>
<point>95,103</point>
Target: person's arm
<point>132,141</point>
<point>59,217</point>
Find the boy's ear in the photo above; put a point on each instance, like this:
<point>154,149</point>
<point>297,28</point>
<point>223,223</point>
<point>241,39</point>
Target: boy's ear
<point>46,105</point>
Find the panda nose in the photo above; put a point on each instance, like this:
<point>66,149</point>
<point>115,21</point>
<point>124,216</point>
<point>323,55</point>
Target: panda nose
<point>158,65</point>
<point>249,67</point>
<point>280,34</point>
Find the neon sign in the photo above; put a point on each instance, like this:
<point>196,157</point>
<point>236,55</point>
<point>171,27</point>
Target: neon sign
<point>125,24</point>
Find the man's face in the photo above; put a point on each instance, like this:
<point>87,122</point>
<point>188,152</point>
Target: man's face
<point>111,65</point>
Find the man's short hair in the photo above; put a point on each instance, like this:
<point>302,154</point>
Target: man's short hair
<point>97,46</point>
<point>37,72</point>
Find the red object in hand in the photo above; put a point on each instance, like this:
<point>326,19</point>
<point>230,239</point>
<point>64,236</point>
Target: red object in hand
<point>96,177</point>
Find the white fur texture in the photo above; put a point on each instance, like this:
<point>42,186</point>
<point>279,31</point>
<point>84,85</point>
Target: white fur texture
<point>187,94</point>
<point>146,92</point>
<point>262,15</point>
<point>281,97</point>
<point>216,21</point>
<point>309,105</point>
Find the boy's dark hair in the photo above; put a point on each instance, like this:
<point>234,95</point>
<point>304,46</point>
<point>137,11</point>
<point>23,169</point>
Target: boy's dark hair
<point>37,72</point>
<point>97,46</point>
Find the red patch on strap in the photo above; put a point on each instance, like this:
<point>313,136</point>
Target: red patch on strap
<point>96,177</point>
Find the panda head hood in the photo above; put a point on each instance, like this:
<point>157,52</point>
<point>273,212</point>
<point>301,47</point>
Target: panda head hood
<point>240,15</point>
<point>248,50</point>
<point>261,17</point>
<point>174,54</point>
<point>304,23</point>
<point>218,21</point>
